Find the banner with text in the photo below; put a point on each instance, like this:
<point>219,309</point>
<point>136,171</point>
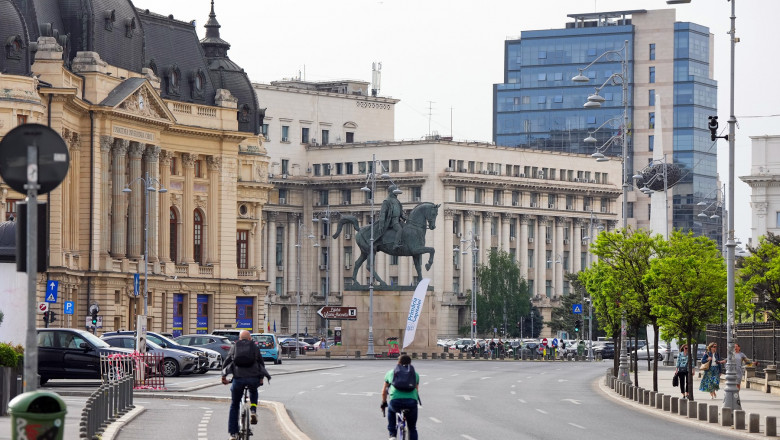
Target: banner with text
<point>415,310</point>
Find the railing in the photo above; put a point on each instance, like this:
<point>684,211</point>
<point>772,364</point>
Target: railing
<point>181,269</point>
<point>207,111</point>
<point>760,341</point>
<point>247,273</point>
<point>182,108</point>
<point>206,270</point>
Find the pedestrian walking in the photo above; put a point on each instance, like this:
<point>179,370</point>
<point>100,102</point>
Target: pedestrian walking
<point>682,370</point>
<point>711,364</point>
<point>739,359</point>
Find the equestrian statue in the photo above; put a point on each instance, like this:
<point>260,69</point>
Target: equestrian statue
<point>394,234</point>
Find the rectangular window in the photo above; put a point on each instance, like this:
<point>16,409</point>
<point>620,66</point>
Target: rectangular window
<point>460,194</point>
<point>542,77</point>
<point>346,197</point>
<point>350,137</point>
<point>478,195</point>
<point>418,165</point>
<point>265,131</point>
<point>651,97</point>
<point>558,98</point>
<point>394,166</point>
<point>325,138</point>
<point>242,248</point>
<point>651,79</point>
<point>566,261</point>
<point>650,142</point>
<point>350,168</point>
<point>304,135</point>
<point>279,284</point>
<point>394,260</point>
<point>630,209</point>
<point>652,51</point>
<point>456,285</point>
<point>317,169</point>
<point>548,260</point>
<point>339,168</point>
<point>416,193</point>
<point>548,288</point>
<point>530,259</point>
<point>542,54</point>
<point>494,226</point>
<point>651,120</point>
<point>531,287</point>
<point>173,166</point>
<point>531,228</point>
<point>541,99</point>
<point>559,76</point>
<point>21,119</point>
<point>198,168</point>
<point>285,133</point>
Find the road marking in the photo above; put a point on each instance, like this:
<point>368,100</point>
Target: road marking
<point>465,396</point>
<point>434,420</point>
<point>180,405</point>
<point>576,402</point>
<point>542,411</point>
<point>301,392</point>
<point>439,378</point>
<point>467,437</point>
<point>340,380</point>
<point>576,425</point>
<point>513,392</point>
<point>203,433</point>
<point>426,383</point>
<point>521,401</point>
<point>519,380</point>
<point>456,374</point>
<point>320,386</point>
<point>365,394</point>
<point>562,380</point>
<point>513,385</point>
<point>486,377</point>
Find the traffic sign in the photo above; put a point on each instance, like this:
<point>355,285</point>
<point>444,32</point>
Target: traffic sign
<point>99,322</point>
<point>51,291</point>
<point>68,307</point>
<point>43,307</point>
<point>576,309</point>
<point>555,342</point>
<point>136,284</point>
<point>544,342</point>
<point>333,312</point>
<point>474,322</point>
<point>53,158</point>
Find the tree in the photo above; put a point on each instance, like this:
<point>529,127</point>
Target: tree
<point>689,287</point>
<point>600,284</point>
<point>561,317</point>
<point>503,297</point>
<point>759,274</point>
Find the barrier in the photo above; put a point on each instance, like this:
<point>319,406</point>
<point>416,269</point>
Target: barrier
<point>110,401</point>
<point>146,369</point>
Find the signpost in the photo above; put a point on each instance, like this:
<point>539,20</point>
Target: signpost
<point>334,312</point>
<point>43,307</point>
<point>576,309</point>
<point>68,307</point>
<point>51,291</point>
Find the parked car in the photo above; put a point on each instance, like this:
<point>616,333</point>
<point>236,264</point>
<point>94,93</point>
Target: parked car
<point>642,353</point>
<point>231,334</point>
<point>607,350</point>
<point>289,345</point>
<point>69,353</point>
<point>461,344</point>
<point>269,346</point>
<point>220,345</point>
<point>175,362</point>
<point>201,354</point>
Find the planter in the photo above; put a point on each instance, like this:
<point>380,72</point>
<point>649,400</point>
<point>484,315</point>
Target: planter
<point>10,387</point>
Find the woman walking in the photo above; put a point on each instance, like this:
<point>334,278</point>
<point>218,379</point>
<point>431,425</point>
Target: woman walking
<point>739,359</point>
<point>682,370</point>
<point>711,363</point>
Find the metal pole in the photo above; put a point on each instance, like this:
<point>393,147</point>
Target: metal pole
<point>298,296</point>
<point>147,185</point>
<point>370,350</point>
<point>623,366</point>
<point>731,394</point>
<point>31,346</point>
<point>327,272</point>
<point>590,329</point>
<point>474,289</point>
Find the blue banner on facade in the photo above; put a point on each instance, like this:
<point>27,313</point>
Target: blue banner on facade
<point>202,323</point>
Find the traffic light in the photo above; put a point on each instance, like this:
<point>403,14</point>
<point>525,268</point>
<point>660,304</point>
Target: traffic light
<point>94,317</point>
<point>577,325</point>
<point>52,316</point>
<point>46,317</point>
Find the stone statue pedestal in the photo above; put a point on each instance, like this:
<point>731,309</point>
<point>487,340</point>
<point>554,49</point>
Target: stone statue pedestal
<point>391,310</point>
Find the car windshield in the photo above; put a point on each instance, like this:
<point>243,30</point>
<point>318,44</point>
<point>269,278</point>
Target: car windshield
<point>264,341</point>
<point>94,340</point>
<point>163,339</point>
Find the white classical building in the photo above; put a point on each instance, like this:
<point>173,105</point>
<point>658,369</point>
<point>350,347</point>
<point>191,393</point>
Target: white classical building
<point>321,138</point>
<point>764,181</point>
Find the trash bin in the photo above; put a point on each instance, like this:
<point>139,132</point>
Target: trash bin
<point>37,414</point>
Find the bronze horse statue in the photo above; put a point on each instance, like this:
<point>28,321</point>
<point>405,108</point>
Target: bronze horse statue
<point>422,217</point>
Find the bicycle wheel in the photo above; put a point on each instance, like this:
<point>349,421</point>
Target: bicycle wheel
<point>245,430</point>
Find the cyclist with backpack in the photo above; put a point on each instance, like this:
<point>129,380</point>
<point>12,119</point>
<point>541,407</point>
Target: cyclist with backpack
<point>401,385</point>
<point>245,363</point>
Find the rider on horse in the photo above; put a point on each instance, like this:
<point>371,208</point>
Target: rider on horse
<point>390,216</point>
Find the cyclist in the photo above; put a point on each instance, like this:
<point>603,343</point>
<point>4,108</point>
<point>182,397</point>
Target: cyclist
<point>245,363</point>
<point>405,399</point>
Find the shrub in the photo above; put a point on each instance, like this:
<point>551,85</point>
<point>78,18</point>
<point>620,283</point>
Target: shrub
<point>11,355</point>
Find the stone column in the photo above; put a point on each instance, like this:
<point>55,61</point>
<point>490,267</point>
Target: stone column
<point>486,240</point>
<point>152,167</point>
<point>291,257</point>
<point>188,207</point>
<point>106,221</point>
<point>256,246</point>
<point>135,222</point>
<point>270,262</point>
<point>65,206</point>
<point>541,255</point>
<point>522,253</point>
<point>577,247</point>
<point>447,254</point>
<point>558,251</point>
<point>467,260</point>
<point>164,215</point>
<point>119,207</point>
<point>334,255</point>
<point>214,164</point>
<point>504,242</point>
<point>75,196</point>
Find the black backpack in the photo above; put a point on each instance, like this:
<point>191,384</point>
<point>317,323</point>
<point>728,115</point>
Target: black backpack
<point>404,378</point>
<point>246,353</point>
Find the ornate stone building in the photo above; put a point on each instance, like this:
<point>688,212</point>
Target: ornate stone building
<point>143,106</point>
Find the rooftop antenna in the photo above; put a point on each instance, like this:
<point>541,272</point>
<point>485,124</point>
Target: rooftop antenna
<point>376,77</point>
<point>430,113</point>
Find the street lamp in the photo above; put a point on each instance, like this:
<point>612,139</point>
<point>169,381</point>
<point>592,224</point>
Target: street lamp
<point>371,179</point>
<point>472,245</point>
<point>149,183</point>
<point>324,217</point>
<point>658,175</point>
<point>298,296</point>
<point>594,101</point>
<point>590,328</point>
<point>590,237</point>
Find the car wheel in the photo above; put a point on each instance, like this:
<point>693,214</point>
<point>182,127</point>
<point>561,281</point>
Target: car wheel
<point>203,370</point>
<point>170,367</point>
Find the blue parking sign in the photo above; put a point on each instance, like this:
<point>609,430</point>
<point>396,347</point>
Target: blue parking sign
<point>68,307</point>
<point>51,291</point>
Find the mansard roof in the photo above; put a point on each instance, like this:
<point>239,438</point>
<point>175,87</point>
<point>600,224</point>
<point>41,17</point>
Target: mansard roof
<point>15,57</point>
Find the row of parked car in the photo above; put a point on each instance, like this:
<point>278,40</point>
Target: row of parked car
<point>68,353</point>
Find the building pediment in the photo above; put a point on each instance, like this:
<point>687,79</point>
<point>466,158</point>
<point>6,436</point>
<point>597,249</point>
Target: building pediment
<point>135,97</point>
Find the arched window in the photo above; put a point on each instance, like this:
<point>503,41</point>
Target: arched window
<point>174,236</point>
<point>197,237</point>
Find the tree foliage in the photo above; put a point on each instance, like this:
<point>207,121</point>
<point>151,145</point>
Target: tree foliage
<point>503,296</point>
<point>759,274</point>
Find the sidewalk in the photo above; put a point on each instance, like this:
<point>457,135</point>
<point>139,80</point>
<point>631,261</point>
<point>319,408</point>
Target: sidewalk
<point>752,400</point>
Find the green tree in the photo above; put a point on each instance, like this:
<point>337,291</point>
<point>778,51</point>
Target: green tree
<point>562,318</point>
<point>503,296</point>
<point>599,282</point>
<point>689,288</point>
<point>759,274</point>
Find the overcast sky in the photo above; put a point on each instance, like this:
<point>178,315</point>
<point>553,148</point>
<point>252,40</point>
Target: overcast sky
<point>443,56</point>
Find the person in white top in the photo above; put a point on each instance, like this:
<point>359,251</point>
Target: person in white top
<point>739,359</point>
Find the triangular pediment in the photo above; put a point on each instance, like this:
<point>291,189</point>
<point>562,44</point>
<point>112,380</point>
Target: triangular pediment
<point>136,97</point>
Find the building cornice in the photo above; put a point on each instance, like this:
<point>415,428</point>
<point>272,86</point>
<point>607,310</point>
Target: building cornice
<point>329,94</point>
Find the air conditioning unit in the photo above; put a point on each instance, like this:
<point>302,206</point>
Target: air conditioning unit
<point>551,205</point>
<point>569,207</point>
<point>534,205</point>
<point>592,180</point>
<point>584,242</point>
<point>463,170</point>
<point>308,170</point>
<point>511,238</point>
<point>313,141</point>
<point>530,239</point>
<point>521,175</point>
<point>496,203</point>
<point>495,173</point>
<point>284,176</point>
<point>448,170</point>
<point>457,266</point>
<point>603,209</point>
<point>267,139</point>
<point>485,172</point>
<point>317,203</point>
<point>517,174</point>
<point>476,238</point>
<point>270,175</point>
<point>576,179</point>
<point>345,202</point>
<point>347,236</point>
<point>460,234</point>
<point>323,266</point>
<point>549,240</point>
<point>282,201</point>
<point>565,241</point>
<point>280,268</point>
<point>284,139</point>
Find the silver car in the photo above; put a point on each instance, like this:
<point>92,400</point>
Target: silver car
<point>175,362</point>
<point>219,344</point>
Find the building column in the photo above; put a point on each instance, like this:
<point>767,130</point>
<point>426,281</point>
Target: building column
<point>65,196</point>
<point>258,232</point>
<point>448,260</point>
<point>214,164</point>
<point>152,167</point>
<point>291,257</point>
<point>188,207</point>
<point>334,255</point>
<point>558,251</point>
<point>486,240</point>
<point>522,253</point>
<point>270,261</point>
<point>541,258</point>
<point>576,244</point>
<point>164,215</point>
<point>106,220</point>
<point>504,242</point>
<point>119,207</point>
<point>136,207</point>
<point>467,260</point>
<point>75,196</point>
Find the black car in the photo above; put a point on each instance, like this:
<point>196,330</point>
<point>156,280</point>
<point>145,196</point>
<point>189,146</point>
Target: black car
<point>162,341</point>
<point>607,351</point>
<point>69,353</point>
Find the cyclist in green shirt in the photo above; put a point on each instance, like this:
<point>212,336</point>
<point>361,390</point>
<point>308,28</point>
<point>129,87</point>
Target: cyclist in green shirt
<point>401,400</point>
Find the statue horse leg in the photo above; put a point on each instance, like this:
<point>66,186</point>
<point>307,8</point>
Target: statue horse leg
<point>430,251</point>
<point>359,262</point>
<point>376,275</point>
<point>417,259</point>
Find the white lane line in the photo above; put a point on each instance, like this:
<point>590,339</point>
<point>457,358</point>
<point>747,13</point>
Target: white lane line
<point>203,433</point>
<point>301,392</point>
<point>456,374</point>
<point>340,380</point>
<point>180,405</point>
<point>513,392</point>
<point>521,401</point>
<point>434,420</point>
<point>465,396</point>
<point>486,377</point>
<point>439,378</point>
<point>542,411</point>
<point>576,425</point>
<point>467,437</point>
<point>513,385</point>
<point>319,386</point>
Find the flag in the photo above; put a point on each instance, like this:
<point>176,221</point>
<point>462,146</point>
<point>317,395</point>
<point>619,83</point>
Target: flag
<point>415,310</point>
<point>274,326</point>
<point>269,326</point>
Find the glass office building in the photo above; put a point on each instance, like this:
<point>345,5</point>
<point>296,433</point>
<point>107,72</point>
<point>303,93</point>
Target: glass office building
<point>538,106</point>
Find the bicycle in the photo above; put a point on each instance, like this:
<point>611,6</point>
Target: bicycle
<point>244,416</point>
<point>401,431</point>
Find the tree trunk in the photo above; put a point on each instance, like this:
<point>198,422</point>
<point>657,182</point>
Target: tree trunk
<point>655,357</point>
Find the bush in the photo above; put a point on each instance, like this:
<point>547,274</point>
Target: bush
<point>11,355</point>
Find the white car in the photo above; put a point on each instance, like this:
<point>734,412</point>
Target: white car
<point>642,353</point>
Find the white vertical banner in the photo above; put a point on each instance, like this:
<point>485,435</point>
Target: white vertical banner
<point>415,310</point>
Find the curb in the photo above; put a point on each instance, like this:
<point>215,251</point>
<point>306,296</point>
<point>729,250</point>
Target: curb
<point>285,422</point>
<point>114,428</point>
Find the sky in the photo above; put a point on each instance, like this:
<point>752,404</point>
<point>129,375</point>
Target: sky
<point>442,57</point>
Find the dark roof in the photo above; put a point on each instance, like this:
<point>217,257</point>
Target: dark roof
<point>172,46</point>
<point>122,91</point>
<point>15,59</point>
<point>7,241</point>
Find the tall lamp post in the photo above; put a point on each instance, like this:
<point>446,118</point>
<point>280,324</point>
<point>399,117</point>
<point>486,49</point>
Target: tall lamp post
<point>594,101</point>
<point>298,282</point>
<point>149,183</point>
<point>324,217</point>
<point>471,244</point>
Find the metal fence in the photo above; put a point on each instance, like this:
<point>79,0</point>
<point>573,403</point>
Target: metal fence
<point>109,402</point>
<point>760,341</point>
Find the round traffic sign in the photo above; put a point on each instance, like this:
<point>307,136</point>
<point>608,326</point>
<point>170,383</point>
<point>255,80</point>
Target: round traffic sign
<point>555,342</point>
<point>474,322</point>
<point>53,158</point>
<point>544,342</point>
<point>43,307</point>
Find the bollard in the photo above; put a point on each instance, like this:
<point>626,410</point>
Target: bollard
<point>659,401</point>
<point>739,419</point>
<point>712,413</point>
<point>646,397</point>
<point>425,355</point>
<point>702,411</point>
<point>684,407</point>
<point>675,405</point>
<point>327,354</point>
<point>460,355</point>
<point>414,355</point>
<point>753,422</point>
<point>357,355</point>
<point>667,402</point>
<point>652,398</point>
<point>692,406</point>
<point>640,396</point>
<point>468,356</point>
<point>770,427</point>
<point>726,417</point>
